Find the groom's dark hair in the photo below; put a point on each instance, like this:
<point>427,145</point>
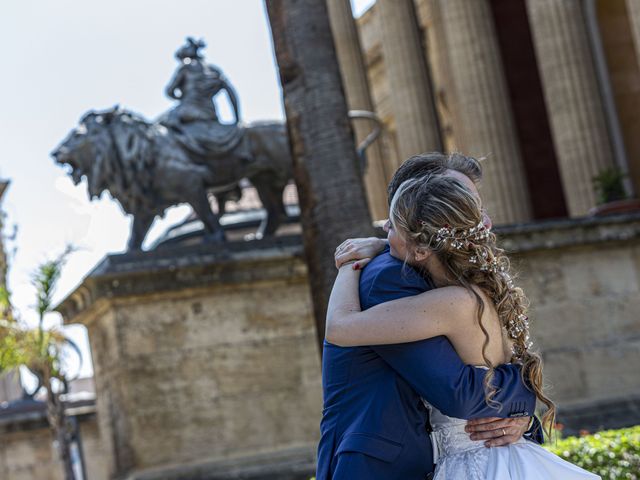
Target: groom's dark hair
<point>434,162</point>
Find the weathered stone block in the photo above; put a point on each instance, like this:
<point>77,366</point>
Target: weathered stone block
<point>592,272</point>
<point>27,451</point>
<point>613,368</point>
<point>565,374</point>
<point>205,362</point>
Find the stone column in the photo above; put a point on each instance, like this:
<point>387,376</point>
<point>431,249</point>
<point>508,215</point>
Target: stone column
<point>430,17</point>
<point>633,162</point>
<point>633,10</point>
<point>572,96</point>
<point>413,108</point>
<point>484,118</point>
<point>356,86</point>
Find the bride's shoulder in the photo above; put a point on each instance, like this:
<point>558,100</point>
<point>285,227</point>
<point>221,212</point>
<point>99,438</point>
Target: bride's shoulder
<point>453,298</point>
<point>455,292</point>
<point>463,294</point>
<point>460,302</point>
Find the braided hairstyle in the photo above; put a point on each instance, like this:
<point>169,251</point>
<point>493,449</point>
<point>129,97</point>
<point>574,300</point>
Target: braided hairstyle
<point>439,213</point>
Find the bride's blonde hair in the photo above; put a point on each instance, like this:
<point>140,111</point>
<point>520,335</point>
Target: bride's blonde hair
<point>439,213</point>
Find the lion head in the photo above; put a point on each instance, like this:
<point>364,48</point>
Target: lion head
<point>84,149</point>
<point>111,150</point>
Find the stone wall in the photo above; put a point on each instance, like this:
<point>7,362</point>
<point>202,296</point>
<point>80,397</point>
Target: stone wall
<point>28,453</point>
<point>583,280</point>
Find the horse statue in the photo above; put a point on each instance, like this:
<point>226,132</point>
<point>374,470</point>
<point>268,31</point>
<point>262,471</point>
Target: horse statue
<point>184,155</point>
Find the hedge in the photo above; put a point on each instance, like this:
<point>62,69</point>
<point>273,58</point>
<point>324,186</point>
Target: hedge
<point>612,454</point>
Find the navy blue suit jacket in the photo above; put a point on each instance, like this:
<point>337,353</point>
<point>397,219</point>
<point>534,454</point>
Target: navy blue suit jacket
<point>374,425</point>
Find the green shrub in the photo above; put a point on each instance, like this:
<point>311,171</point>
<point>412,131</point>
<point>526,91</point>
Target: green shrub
<point>609,185</point>
<point>612,454</point>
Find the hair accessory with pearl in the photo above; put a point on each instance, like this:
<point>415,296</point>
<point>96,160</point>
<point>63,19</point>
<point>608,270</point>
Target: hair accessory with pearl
<point>460,238</point>
<point>519,326</point>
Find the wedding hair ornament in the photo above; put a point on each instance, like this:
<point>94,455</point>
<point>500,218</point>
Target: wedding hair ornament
<point>471,238</point>
<point>460,238</point>
<point>519,326</point>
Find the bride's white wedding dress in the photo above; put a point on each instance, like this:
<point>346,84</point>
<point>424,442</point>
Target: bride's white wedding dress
<point>460,458</point>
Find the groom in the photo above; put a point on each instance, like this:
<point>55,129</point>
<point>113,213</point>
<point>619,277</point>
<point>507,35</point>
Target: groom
<point>374,423</point>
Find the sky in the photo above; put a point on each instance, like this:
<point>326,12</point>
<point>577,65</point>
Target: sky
<point>61,58</point>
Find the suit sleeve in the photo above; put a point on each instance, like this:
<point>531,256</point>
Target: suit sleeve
<point>435,371</point>
<point>535,433</point>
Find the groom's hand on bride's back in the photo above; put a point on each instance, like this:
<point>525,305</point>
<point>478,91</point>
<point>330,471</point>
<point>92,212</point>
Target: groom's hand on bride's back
<point>360,251</point>
<point>498,431</point>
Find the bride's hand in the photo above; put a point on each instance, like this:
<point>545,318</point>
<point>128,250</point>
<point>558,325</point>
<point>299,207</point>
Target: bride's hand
<point>360,249</point>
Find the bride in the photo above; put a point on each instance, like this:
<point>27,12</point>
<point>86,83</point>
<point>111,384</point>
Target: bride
<point>436,226</point>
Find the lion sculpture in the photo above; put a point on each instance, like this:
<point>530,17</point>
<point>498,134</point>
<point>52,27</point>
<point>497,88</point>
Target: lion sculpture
<point>146,169</point>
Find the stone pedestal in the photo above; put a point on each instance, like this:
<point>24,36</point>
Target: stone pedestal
<point>205,360</point>
<point>573,98</point>
<point>484,117</point>
<point>410,87</point>
<point>354,80</point>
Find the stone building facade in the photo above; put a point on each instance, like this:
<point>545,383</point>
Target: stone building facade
<point>547,90</point>
<point>26,449</point>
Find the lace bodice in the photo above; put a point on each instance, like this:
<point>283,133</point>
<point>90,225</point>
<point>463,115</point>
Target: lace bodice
<point>457,457</point>
<point>448,435</point>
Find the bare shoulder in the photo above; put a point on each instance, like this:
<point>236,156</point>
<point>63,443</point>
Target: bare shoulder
<point>460,297</point>
<point>456,299</point>
<point>458,303</point>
